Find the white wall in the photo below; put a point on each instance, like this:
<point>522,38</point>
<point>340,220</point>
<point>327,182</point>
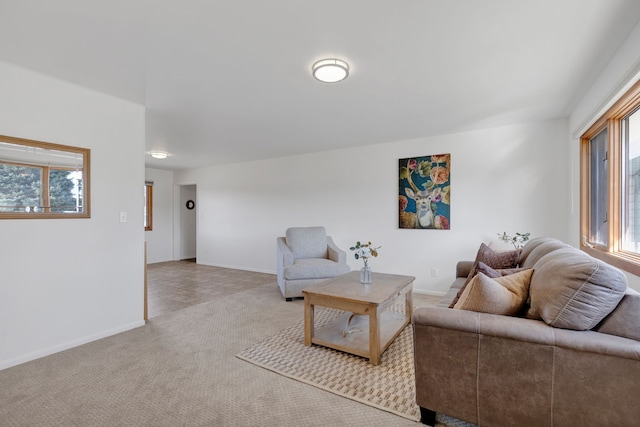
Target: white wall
<point>618,76</point>
<point>65,282</point>
<point>622,71</point>
<point>510,179</point>
<point>160,238</point>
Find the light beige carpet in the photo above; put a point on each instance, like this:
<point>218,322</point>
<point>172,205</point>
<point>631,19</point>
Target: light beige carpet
<point>180,369</point>
<point>389,386</point>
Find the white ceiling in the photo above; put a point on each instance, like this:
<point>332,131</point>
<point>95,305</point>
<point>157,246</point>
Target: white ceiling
<point>229,80</point>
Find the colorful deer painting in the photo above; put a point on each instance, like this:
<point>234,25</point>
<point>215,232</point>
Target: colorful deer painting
<point>424,192</point>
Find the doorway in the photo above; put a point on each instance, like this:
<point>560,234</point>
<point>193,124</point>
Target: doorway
<point>186,241</point>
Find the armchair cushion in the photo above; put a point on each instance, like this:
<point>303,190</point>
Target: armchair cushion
<point>307,242</point>
<point>314,268</point>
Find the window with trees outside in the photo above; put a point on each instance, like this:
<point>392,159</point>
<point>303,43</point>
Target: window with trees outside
<point>148,206</point>
<point>43,180</point>
<point>610,184</point>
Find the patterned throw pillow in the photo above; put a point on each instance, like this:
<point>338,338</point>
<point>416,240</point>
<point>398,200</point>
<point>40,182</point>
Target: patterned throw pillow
<point>491,258</point>
<point>505,295</point>
<point>494,273</point>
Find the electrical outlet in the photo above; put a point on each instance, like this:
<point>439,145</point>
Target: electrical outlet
<point>434,272</point>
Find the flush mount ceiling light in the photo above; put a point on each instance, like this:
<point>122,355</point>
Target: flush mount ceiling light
<point>330,70</point>
<point>159,154</point>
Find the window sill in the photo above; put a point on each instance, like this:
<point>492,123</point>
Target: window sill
<point>623,260</point>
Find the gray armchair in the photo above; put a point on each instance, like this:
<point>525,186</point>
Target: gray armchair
<point>306,256</point>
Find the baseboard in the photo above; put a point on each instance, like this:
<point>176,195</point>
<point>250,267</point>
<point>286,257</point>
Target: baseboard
<point>4,364</point>
<point>431,293</point>
<point>232,267</point>
<point>415,291</point>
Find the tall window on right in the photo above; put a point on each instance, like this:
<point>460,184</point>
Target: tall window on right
<point>631,179</point>
<point>610,184</point>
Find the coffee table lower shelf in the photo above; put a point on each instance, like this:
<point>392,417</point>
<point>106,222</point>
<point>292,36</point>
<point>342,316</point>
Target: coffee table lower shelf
<point>356,340</point>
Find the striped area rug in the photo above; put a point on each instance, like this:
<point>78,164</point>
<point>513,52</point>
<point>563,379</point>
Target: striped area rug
<point>390,386</point>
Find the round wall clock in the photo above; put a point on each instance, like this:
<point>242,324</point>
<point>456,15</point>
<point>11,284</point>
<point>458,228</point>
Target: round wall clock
<point>191,204</point>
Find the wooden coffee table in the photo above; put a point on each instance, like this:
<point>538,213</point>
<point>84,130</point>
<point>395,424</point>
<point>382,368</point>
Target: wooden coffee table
<point>367,328</point>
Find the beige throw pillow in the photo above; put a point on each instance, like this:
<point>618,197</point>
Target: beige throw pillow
<point>504,295</point>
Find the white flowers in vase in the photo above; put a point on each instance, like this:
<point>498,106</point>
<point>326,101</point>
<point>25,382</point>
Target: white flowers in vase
<point>364,251</point>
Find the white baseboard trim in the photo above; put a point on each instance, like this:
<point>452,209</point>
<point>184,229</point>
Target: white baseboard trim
<point>4,364</point>
<point>253,270</point>
<point>432,293</point>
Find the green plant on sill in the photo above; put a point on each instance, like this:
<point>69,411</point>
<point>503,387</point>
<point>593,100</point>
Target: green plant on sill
<point>517,241</point>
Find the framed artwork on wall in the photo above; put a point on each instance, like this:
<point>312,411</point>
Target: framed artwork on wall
<point>424,192</point>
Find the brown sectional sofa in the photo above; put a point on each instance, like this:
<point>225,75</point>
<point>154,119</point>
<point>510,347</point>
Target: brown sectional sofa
<point>572,358</point>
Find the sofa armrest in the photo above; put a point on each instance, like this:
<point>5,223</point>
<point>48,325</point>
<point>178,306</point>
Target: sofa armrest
<point>463,268</point>
<point>335,253</point>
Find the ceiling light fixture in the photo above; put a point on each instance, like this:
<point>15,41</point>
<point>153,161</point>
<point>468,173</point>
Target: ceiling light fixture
<point>159,154</point>
<point>330,70</point>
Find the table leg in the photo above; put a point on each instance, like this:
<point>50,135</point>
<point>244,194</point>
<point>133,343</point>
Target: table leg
<point>308,321</point>
<point>408,308</point>
<point>374,336</point>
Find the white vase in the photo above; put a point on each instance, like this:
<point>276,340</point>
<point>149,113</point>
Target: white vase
<point>365,274</point>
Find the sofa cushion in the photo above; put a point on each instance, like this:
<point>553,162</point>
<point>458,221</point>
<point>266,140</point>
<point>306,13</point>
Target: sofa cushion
<point>624,321</point>
<point>504,295</point>
<point>494,259</point>
<point>307,242</point>
<point>536,249</point>
<point>571,290</point>
<point>452,292</point>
